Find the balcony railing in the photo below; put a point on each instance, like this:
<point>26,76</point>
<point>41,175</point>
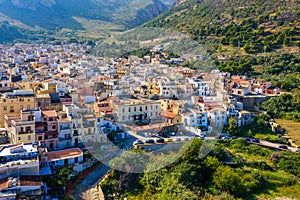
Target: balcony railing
<point>25,132</point>
<point>65,128</point>
<point>65,138</point>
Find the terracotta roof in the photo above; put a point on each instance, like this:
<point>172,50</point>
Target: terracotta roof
<point>3,183</point>
<point>49,113</point>
<point>30,181</point>
<point>64,154</point>
<point>167,114</point>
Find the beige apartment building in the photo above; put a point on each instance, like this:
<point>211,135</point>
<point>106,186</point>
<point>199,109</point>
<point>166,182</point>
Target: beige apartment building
<point>21,128</point>
<point>13,102</point>
<point>136,110</point>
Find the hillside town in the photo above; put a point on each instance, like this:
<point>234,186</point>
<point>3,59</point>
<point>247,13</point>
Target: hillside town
<point>56,100</point>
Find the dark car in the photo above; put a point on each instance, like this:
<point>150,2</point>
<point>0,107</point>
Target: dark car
<point>160,140</point>
<point>150,141</point>
<point>226,137</point>
<point>138,142</point>
<point>297,151</point>
<point>255,141</point>
<point>247,139</point>
<point>283,147</point>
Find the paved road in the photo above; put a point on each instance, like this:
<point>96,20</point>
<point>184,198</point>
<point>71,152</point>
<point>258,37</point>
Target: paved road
<point>261,142</point>
<point>82,190</point>
<point>86,190</point>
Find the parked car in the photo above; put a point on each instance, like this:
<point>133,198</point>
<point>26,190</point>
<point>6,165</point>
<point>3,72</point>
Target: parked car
<point>186,139</point>
<point>160,140</point>
<point>169,140</point>
<point>150,141</point>
<point>178,139</point>
<point>255,141</point>
<point>247,139</point>
<point>138,142</point>
<point>283,147</point>
<point>297,151</point>
<point>226,137</point>
<point>155,135</point>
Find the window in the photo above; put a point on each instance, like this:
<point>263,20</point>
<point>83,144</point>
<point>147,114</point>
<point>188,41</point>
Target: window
<point>21,107</point>
<point>28,106</point>
<point>146,107</point>
<point>19,138</point>
<point>11,109</point>
<point>123,110</point>
<point>29,137</point>
<point>28,99</point>
<point>28,129</point>
<point>128,109</point>
<point>40,138</point>
<point>5,108</point>
<point>141,108</point>
<point>53,126</point>
<point>134,109</point>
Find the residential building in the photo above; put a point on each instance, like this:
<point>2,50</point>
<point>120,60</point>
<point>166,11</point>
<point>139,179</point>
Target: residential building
<point>21,159</point>
<point>21,128</point>
<point>170,117</point>
<point>13,102</point>
<point>139,111</point>
<point>66,157</point>
<point>46,129</point>
<point>64,130</point>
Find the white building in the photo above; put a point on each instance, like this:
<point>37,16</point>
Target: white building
<point>195,118</point>
<point>136,110</point>
<point>18,160</point>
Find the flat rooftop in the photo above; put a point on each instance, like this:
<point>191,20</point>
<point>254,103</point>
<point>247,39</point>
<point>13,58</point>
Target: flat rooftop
<point>64,154</point>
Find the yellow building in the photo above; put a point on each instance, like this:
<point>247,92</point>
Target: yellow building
<point>151,90</point>
<point>170,106</point>
<point>170,117</point>
<point>13,102</point>
<point>39,87</point>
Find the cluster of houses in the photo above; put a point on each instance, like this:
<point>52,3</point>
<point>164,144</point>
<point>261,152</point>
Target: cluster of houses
<point>56,99</point>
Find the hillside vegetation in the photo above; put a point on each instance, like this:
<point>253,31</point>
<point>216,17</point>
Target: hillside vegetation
<point>232,170</point>
<point>255,26</point>
<point>258,38</point>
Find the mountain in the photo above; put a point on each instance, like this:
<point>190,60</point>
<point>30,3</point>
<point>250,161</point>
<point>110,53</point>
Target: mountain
<point>53,14</point>
<point>237,27</point>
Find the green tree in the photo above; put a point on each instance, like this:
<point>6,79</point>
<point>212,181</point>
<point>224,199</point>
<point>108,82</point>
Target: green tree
<point>227,180</point>
<point>233,126</point>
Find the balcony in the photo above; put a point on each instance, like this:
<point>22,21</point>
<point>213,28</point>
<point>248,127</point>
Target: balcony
<point>25,132</point>
<point>65,128</point>
<point>65,138</point>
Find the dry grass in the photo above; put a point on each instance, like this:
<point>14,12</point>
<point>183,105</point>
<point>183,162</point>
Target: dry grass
<point>293,129</point>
